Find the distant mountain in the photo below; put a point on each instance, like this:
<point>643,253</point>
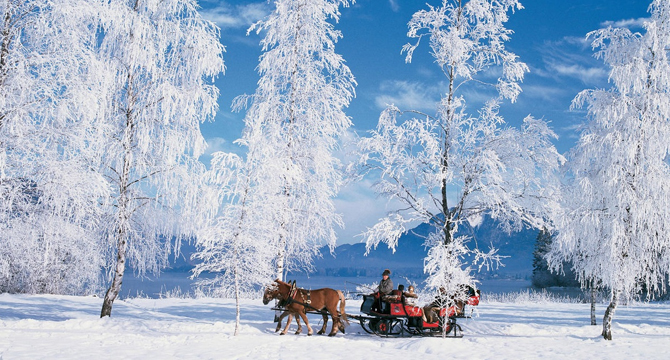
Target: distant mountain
<point>407,260</point>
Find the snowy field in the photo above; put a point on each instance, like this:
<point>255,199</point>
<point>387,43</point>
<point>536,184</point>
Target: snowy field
<point>66,327</point>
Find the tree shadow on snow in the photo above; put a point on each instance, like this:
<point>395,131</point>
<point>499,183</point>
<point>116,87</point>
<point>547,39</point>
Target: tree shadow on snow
<point>45,307</point>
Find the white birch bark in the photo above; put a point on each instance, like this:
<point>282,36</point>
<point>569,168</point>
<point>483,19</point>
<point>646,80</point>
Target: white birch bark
<point>162,58</point>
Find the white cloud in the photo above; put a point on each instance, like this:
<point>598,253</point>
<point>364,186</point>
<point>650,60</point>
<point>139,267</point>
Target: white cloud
<point>407,95</point>
<point>544,92</point>
<point>394,5</point>
<point>583,73</point>
<point>228,16</point>
<point>571,57</point>
<point>579,41</point>
<point>216,144</point>
<point>627,23</point>
<point>361,209</point>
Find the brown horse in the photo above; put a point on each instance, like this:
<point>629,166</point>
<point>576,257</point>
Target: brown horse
<point>299,301</point>
<point>283,315</point>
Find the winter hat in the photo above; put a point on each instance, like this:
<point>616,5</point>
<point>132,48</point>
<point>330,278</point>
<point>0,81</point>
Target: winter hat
<point>386,272</point>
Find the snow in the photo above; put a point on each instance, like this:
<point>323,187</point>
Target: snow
<point>69,327</point>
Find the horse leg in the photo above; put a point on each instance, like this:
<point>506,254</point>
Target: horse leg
<point>336,320</point>
<point>281,317</point>
<point>325,322</point>
<point>288,322</point>
<point>297,320</point>
<point>303,315</point>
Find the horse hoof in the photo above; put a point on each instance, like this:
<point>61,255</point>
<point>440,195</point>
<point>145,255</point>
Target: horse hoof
<point>282,333</point>
<point>332,334</point>
<point>321,332</point>
<point>309,334</point>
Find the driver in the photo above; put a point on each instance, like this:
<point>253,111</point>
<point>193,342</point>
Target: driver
<point>384,288</point>
<point>386,285</point>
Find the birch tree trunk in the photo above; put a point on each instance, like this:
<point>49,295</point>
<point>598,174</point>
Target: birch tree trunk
<point>609,314</point>
<point>122,245</point>
<point>281,255</point>
<point>123,218</point>
<point>237,303</point>
<point>115,287</point>
<point>593,304</point>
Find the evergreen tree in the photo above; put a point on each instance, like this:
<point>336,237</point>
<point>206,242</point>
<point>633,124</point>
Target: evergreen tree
<point>542,275</point>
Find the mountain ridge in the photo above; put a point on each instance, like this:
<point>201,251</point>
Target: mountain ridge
<point>408,257</point>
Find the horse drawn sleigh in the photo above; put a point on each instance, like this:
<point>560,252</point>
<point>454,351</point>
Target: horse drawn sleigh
<point>390,317</point>
<point>398,318</point>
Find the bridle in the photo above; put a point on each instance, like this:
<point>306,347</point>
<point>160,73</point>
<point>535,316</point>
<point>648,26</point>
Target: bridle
<point>272,292</point>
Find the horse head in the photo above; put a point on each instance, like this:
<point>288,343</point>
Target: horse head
<point>271,293</point>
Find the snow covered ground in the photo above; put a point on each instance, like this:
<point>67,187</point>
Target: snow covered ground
<point>67,327</point>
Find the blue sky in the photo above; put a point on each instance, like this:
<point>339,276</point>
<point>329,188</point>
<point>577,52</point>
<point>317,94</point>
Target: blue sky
<point>549,36</point>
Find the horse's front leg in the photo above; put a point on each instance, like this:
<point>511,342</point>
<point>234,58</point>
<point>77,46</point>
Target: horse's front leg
<point>288,322</point>
<point>281,317</point>
<point>303,315</point>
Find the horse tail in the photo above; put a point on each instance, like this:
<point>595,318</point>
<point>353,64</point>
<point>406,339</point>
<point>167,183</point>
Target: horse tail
<point>343,314</point>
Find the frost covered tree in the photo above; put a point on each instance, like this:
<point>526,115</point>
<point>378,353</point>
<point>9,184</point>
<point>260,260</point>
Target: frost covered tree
<point>293,123</point>
<point>231,243</point>
<point>161,58</point>
<point>614,227</point>
<point>452,167</point>
<point>48,193</point>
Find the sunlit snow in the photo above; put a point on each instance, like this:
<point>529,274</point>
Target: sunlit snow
<point>69,327</point>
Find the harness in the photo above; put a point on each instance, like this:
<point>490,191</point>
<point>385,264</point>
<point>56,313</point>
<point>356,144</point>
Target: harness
<point>289,299</point>
<point>293,291</point>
